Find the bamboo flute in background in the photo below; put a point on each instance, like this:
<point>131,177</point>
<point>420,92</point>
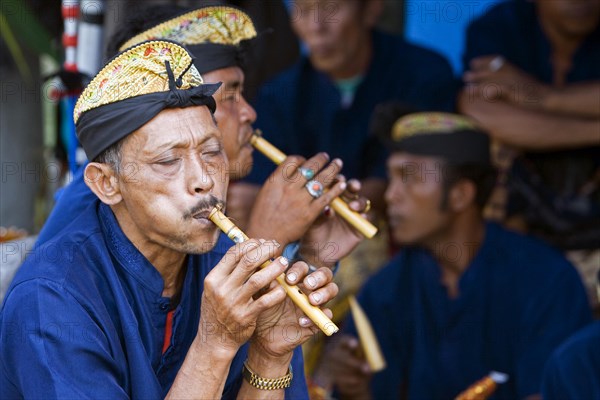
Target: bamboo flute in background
<point>483,388</point>
<point>366,228</point>
<point>367,337</point>
<point>315,314</point>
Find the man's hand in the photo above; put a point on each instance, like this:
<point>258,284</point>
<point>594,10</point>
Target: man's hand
<point>234,295</point>
<point>284,208</point>
<point>331,238</point>
<point>282,328</point>
<point>343,368</point>
<point>497,79</point>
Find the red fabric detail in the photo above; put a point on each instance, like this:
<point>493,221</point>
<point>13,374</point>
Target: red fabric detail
<point>168,331</point>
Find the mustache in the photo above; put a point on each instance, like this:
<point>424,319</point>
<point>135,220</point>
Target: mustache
<point>205,204</point>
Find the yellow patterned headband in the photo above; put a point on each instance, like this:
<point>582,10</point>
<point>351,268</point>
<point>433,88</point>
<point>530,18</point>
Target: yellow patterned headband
<point>140,70</point>
<point>133,88</point>
<point>217,25</point>
<point>430,122</point>
<point>455,138</point>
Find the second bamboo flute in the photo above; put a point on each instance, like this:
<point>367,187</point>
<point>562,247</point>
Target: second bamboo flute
<point>366,228</point>
<point>315,314</point>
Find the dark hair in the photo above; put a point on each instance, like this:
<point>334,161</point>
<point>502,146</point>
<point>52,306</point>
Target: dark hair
<point>483,177</point>
<point>384,117</point>
<point>111,156</point>
<point>140,22</point>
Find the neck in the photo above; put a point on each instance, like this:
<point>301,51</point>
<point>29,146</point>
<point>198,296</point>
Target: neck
<point>455,248</point>
<point>168,262</point>
<point>563,45</point>
<point>359,64</point>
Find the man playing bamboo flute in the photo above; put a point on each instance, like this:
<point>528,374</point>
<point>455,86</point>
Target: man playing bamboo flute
<point>463,297</point>
<point>92,321</point>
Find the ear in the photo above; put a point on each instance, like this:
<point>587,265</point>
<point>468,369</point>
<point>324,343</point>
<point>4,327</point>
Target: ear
<point>462,195</point>
<point>104,182</point>
<point>372,12</point>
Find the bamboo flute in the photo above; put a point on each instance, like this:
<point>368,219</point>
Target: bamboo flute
<point>366,228</point>
<point>298,297</point>
<point>367,337</point>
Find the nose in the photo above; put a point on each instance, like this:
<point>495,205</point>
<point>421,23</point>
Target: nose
<point>394,192</point>
<point>247,112</point>
<point>200,176</point>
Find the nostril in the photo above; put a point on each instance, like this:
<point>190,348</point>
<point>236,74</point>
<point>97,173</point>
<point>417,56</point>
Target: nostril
<point>197,190</point>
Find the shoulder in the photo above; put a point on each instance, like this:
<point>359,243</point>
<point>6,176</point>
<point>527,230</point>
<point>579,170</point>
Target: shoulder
<point>523,250</point>
<point>405,51</point>
<point>290,77</point>
<point>585,342</point>
<point>572,371</point>
<point>382,286</point>
<point>66,259</point>
<point>505,14</point>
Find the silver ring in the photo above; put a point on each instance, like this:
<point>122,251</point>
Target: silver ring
<point>315,188</point>
<point>496,63</point>
<point>307,173</point>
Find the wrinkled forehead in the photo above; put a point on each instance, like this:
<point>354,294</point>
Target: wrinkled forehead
<point>178,127</point>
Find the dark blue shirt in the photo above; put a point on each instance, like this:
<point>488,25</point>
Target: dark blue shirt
<point>300,111</point>
<point>546,188</point>
<point>519,299</point>
<point>70,202</point>
<point>573,372</point>
<point>85,318</point>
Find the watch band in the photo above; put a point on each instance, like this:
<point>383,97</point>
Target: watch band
<point>265,383</point>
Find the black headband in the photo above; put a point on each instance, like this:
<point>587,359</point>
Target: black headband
<point>211,56</point>
<point>457,148</point>
<point>101,127</point>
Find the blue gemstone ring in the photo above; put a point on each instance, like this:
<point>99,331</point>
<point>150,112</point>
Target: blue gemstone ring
<point>315,188</point>
<point>307,173</point>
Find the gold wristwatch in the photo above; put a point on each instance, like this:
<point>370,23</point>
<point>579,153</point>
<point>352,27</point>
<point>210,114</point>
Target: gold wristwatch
<point>265,383</point>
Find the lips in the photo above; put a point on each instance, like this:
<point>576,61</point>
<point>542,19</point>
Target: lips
<point>247,137</point>
<point>396,219</point>
<point>203,214</point>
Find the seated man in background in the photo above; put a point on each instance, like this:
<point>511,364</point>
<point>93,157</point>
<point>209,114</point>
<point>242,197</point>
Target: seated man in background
<point>573,372</point>
<point>533,82</point>
<point>131,307</point>
<point>324,102</point>
<point>285,210</point>
<point>463,297</point>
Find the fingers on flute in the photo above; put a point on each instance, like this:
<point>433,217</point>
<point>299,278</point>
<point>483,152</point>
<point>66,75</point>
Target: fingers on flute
<point>330,174</point>
<point>327,197</point>
<point>306,322</point>
<point>250,255</point>
<point>296,272</point>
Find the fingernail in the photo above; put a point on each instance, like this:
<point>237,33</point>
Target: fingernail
<point>316,297</point>
<point>311,281</point>
<point>292,277</point>
<point>343,185</point>
<point>304,321</point>
<point>327,211</point>
<point>284,261</point>
<point>365,368</point>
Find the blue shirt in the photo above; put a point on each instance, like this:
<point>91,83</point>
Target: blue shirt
<point>545,187</point>
<point>573,372</point>
<point>301,112</point>
<point>85,318</point>
<point>70,202</point>
<point>518,300</point>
